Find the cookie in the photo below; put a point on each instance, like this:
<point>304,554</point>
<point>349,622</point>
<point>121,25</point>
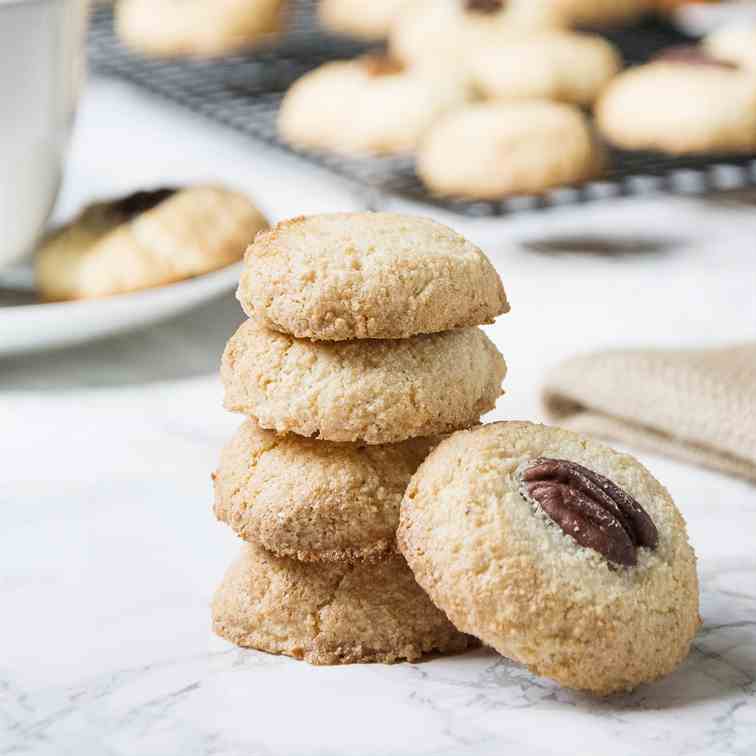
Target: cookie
<point>560,553</point>
<point>330,613</point>
<point>202,28</point>
<point>356,18</point>
<point>497,149</point>
<point>444,33</point>
<point>600,12</point>
<point>733,44</point>
<point>555,65</point>
<point>146,239</point>
<point>370,105</point>
<point>683,103</point>
<point>314,500</point>
<point>375,392</point>
<point>367,275</point>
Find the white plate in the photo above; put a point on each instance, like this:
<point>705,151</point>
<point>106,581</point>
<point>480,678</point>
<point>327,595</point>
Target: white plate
<point>32,327</point>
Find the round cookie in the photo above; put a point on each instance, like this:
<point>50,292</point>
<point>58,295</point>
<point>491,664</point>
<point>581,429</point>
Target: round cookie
<point>370,105</point>
<point>375,392</point>
<point>560,553</point>
<point>330,613</point>
<point>172,28</point>
<point>601,12</point>
<point>683,103</point>
<point>733,44</point>
<point>367,275</point>
<point>314,500</point>
<point>443,33</point>
<point>146,239</point>
<point>498,149</point>
<point>368,21</point>
<point>553,65</point>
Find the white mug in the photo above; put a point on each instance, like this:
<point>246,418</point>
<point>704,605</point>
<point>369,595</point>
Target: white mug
<point>42,58</point>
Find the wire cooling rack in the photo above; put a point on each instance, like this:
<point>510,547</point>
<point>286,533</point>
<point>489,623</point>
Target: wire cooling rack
<point>245,91</point>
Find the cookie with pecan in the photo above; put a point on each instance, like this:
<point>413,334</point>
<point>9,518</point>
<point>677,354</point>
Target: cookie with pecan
<point>557,551</point>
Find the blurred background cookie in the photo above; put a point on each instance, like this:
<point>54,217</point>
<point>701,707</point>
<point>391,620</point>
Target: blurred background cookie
<point>200,28</point>
<point>554,65</point>
<point>145,239</point>
<point>490,150</point>
<point>683,102</point>
<point>734,44</point>
<point>356,18</point>
<point>446,32</point>
<point>373,104</point>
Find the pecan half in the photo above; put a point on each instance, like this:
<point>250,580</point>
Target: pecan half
<point>139,202</point>
<point>592,509</point>
<point>485,6</point>
<point>692,56</point>
<point>382,65</point>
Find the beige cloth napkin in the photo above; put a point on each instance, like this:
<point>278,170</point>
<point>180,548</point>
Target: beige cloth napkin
<point>697,405</point>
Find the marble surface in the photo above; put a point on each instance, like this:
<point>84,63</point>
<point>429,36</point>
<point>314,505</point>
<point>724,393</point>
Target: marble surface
<point>110,553</point>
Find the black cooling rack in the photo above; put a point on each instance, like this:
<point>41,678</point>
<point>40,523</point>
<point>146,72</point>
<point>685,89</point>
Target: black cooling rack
<point>244,93</point>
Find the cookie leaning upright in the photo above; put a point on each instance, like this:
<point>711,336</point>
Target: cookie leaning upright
<point>367,276</point>
<point>557,551</point>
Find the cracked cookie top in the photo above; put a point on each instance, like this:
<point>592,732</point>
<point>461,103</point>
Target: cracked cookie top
<point>367,275</point>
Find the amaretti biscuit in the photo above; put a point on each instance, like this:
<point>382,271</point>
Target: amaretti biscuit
<point>314,500</point>
<point>367,275</point>
<point>553,65</point>
<point>369,391</point>
<point>369,21</point>
<point>201,28</point>
<point>684,102</point>
<point>371,105</point>
<point>497,149</point>
<point>330,613</point>
<point>146,239</point>
<point>443,33</point>
<point>560,553</point>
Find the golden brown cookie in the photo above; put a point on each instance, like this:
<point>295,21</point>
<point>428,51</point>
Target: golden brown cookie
<point>370,105</point>
<point>369,391</point>
<point>498,149</point>
<point>557,551</point>
<point>330,613</point>
<point>367,275</point>
<point>314,500</point>
<point>147,239</point>
<point>686,102</point>
<point>201,28</point>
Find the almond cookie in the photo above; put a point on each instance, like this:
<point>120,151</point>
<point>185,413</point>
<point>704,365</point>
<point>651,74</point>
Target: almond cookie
<point>371,105</point>
<point>444,32</point>
<point>560,553</point>
<point>553,65</point>
<point>369,21</point>
<point>330,613</point>
<point>367,275</point>
<point>314,500</point>
<point>733,44</point>
<point>202,28</point>
<point>146,239</point>
<point>375,392</point>
<point>498,149</point>
<point>684,102</point>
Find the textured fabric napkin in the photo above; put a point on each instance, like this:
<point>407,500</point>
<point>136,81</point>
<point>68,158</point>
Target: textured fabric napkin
<point>698,405</point>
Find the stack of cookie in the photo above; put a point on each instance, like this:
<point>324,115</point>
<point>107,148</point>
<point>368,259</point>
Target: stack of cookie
<point>361,349</point>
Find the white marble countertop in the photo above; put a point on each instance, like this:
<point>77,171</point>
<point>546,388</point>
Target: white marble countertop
<point>110,552</point>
